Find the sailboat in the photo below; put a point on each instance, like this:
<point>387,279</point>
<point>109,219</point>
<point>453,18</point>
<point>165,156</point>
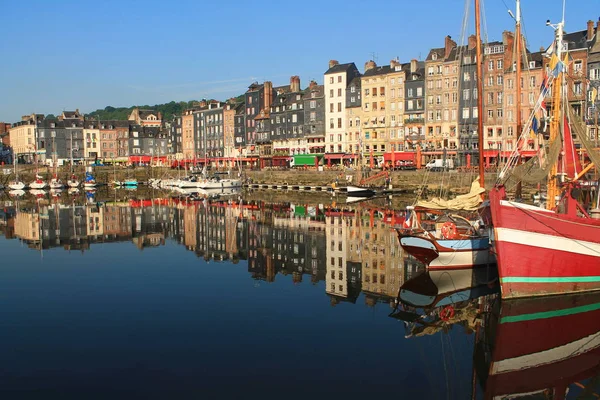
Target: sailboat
<point>452,241</point>
<point>55,182</point>
<point>72,182</point>
<point>16,184</point>
<point>556,249</point>
<point>90,181</point>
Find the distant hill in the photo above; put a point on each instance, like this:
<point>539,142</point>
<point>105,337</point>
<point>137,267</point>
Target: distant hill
<point>168,110</point>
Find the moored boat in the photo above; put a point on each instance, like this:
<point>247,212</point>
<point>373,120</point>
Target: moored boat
<point>553,249</point>
<point>358,191</point>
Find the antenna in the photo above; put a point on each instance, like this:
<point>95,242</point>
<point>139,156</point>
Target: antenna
<point>373,56</point>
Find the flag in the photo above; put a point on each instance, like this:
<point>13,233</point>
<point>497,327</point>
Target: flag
<point>544,90</point>
<point>594,95</point>
<point>544,86</point>
<point>556,65</point>
<point>534,127</point>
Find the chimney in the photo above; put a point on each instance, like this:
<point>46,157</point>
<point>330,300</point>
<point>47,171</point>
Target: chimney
<point>413,66</point>
<point>295,84</point>
<point>449,44</point>
<point>268,96</point>
<point>160,115</point>
<point>393,64</point>
<point>333,63</point>
<point>203,103</point>
<point>542,49</point>
<point>472,42</point>
<point>590,29</point>
<point>312,85</point>
<point>370,65</point>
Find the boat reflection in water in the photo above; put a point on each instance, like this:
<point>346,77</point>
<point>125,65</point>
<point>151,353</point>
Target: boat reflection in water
<point>541,348</point>
<point>434,300</point>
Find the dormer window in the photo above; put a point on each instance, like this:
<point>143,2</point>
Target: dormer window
<point>434,56</point>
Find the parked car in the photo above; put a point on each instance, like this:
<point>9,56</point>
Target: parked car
<point>439,164</point>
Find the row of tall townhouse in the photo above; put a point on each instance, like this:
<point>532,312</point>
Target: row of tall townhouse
<point>72,137</point>
<point>429,105</point>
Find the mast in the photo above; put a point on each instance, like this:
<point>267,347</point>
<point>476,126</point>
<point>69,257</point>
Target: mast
<point>555,121</point>
<point>518,83</point>
<point>479,69</point>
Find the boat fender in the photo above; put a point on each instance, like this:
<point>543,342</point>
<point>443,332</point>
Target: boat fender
<point>449,230</point>
<point>446,313</point>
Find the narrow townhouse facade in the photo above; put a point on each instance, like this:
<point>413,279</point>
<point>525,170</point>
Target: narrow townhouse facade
<point>374,105</point>
<point>336,81</point>
<point>212,132</point>
<point>108,144</point>
<point>442,100</point>
<point>287,123</point>
<point>414,108</point>
<point>395,106</point>
<point>467,104</point>
<point>188,143</point>
<point>22,136</point>
<point>91,144</point>
<point>230,152</point>
<point>314,117</point>
<point>354,116</point>
<point>174,142</point>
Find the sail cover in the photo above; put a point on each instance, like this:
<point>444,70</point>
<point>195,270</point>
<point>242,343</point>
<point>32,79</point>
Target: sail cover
<point>469,201</point>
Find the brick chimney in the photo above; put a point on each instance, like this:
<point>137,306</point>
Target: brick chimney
<point>370,65</point>
<point>203,103</point>
<point>333,63</point>
<point>295,84</point>
<point>312,85</point>
<point>160,115</point>
<point>268,95</point>
<point>590,29</point>
<point>393,64</point>
<point>472,42</point>
<point>449,44</point>
<point>413,66</point>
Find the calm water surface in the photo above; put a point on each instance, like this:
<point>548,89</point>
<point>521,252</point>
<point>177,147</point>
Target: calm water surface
<point>166,299</point>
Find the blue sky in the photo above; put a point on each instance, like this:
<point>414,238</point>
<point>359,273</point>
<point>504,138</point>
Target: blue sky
<point>88,54</point>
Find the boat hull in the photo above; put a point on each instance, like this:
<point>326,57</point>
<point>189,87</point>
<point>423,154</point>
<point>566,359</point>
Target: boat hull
<point>38,185</point>
<point>16,186</point>
<point>356,191</point>
<point>542,253</point>
<point>448,254</point>
<point>531,351</point>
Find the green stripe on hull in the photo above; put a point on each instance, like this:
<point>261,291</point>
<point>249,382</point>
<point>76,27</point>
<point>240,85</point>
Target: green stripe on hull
<point>550,314</point>
<point>523,279</point>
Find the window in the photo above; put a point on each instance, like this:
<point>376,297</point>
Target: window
<point>374,91</point>
<point>430,71</point>
<point>465,112</point>
<point>499,79</point>
<point>419,91</point>
<point>499,64</point>
<point>490,80</point>
<point>577,66</point>
<point>313,104</point>
<point>352,89</point>
<point>339,107</point>
<point>454,98</point>
<point>577,88</point>
<point>339,92</point>
<point>410,92</point>
<point>466,94</point>
<point>532,81</point>
<point>499,113</point>
<point>490,99</point>
<point>367,92</point>
<point>339,78</point>
<point>475,112</point>
<point>339,124</point>
<point>466,77</point>
<point>410,105</point>
<point>330,92</point>
<point>490,113</point>
<point>491,65</point>
<point>331,79</point>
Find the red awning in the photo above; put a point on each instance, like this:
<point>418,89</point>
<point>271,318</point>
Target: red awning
<point>399,156</point>
<point>490,153</point>
<point>334,156</point>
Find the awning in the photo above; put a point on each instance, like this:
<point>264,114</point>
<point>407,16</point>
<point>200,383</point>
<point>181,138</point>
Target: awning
<point>400,156</point>
<point>490,153</point>
<point>334,156</point>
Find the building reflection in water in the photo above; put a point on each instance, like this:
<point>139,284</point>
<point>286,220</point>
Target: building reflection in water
<point>352,249</point>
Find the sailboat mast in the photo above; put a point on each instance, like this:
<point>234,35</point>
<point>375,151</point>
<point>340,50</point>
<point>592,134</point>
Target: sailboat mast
<point>518,41</point>
<point>479,69</point>
<point>552,186</point>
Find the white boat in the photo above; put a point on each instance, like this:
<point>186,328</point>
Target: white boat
<point>194,181</point>
<point>357,191</point>
<point>38,183</point>
<point>73,182</point>
<point>16,185</point>
<point>56,183</point>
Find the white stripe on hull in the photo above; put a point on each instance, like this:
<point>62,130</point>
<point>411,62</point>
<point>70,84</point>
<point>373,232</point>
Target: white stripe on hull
<point>447,259</point>
<point>545,241</point>
<point>523,206</point>
<point>550,356</point>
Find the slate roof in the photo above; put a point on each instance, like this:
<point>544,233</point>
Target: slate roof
<point>382,70</point>
<point>340,68</point>
<point>438,51</point>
